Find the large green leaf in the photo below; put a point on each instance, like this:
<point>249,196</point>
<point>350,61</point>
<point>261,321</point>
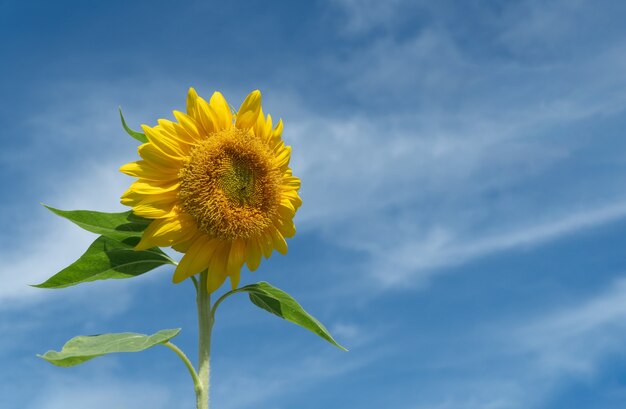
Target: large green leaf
<point>137,135</point>
<point>278,302</point>
<point>107,258</point>
<point>114,225</point>
<point>84,348</point>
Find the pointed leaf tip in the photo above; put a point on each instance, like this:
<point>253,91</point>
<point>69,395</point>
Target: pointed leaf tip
<point>279,303</point>
<point>137,135</point>
<point>106,259</point>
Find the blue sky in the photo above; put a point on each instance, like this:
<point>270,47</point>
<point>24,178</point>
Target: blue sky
<point>464,216</point>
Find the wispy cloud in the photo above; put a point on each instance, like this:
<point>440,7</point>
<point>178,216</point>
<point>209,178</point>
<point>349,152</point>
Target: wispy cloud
<point>285,378</point>
<point>438,134</point>
<point>104,392</point>
<point>414,261</point>
<point>453,155</point>
<point>446,155</point>
<point>362,16</point>
<point>575,339</point>
<point>46,243</point>
<point>544,353</point>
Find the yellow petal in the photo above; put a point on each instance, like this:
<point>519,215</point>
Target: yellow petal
<point>195,259</point>
<point>279,242</point>
<point>291,183</point>
<point>144,170</point>
<point>183,246</point>
<point>208,117</point>
<point>165,143</point>
<point>236,257</point>
<point>286,208</point>
<point>277,146</point>
<point>234,280</point>
<point>215,281</point>
<point>217,266</point>
<point>220,259</point>
<point>272,136</point>
<point>192,106</point>
<point>179,134</point>
<point>167,126</point>
<point>266,243</point>
<point>293,197</point>
<point>264,128</point>
<point>222,110</point>
<point>268,126</point>
<point>157,158</point>
<point>188,124</point>
<point>151,187</point>
<point>259,127</point>
<point>286,227</point>
<point>193,139</point>
<point>249,111</point>
<point>278,131</point>
<point>167,231</point>
<point>282,160</point>
<point>154,210</point>
<point>131,198</point>
<point>253,249</point>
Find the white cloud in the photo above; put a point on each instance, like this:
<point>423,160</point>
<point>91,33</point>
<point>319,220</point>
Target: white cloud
<point>258,386</point>
<point>566,342</point>
<point>558,29</point>
<point>444,158</point>
<point>452,157</point>
<point>544,353</point>
<point>256,380</point>
<point>103,392</point>
<point>361,16</point>
<point>417,260</point>
<point>41,243</point>
<point>47,243</point>
<point>411,193</point>
<point>477,394</point>
<point>405,177</point>
<point>575,339</point>
<point>365,177</point>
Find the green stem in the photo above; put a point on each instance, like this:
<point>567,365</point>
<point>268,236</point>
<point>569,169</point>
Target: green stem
<point>222,298</point>
<point>188,364</point>
<point>205,324</point>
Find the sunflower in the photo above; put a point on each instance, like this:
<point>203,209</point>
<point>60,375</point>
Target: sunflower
<point>218,187</point>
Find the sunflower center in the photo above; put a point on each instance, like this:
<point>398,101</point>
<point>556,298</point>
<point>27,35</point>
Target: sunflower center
<point>237,180</point>
<point>230,185</point>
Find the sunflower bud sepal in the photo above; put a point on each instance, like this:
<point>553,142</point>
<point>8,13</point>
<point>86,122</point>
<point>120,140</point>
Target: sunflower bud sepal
<point>141,137</point>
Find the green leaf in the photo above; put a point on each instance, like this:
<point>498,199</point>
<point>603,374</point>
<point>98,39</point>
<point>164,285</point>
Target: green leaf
<point>84,348</point>
<point>107,258</point>
<point>114,225</point>
<point>278,302</point>
<point>137,135</point>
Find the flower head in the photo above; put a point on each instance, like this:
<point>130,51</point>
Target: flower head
<point>218,186</point>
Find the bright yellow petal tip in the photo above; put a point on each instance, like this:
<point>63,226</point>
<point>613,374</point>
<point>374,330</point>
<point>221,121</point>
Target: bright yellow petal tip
<point>249,111</point>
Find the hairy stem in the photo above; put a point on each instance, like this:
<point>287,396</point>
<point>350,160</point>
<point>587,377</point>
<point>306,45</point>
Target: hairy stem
<point>188,364</point>
<point>205,325</point>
